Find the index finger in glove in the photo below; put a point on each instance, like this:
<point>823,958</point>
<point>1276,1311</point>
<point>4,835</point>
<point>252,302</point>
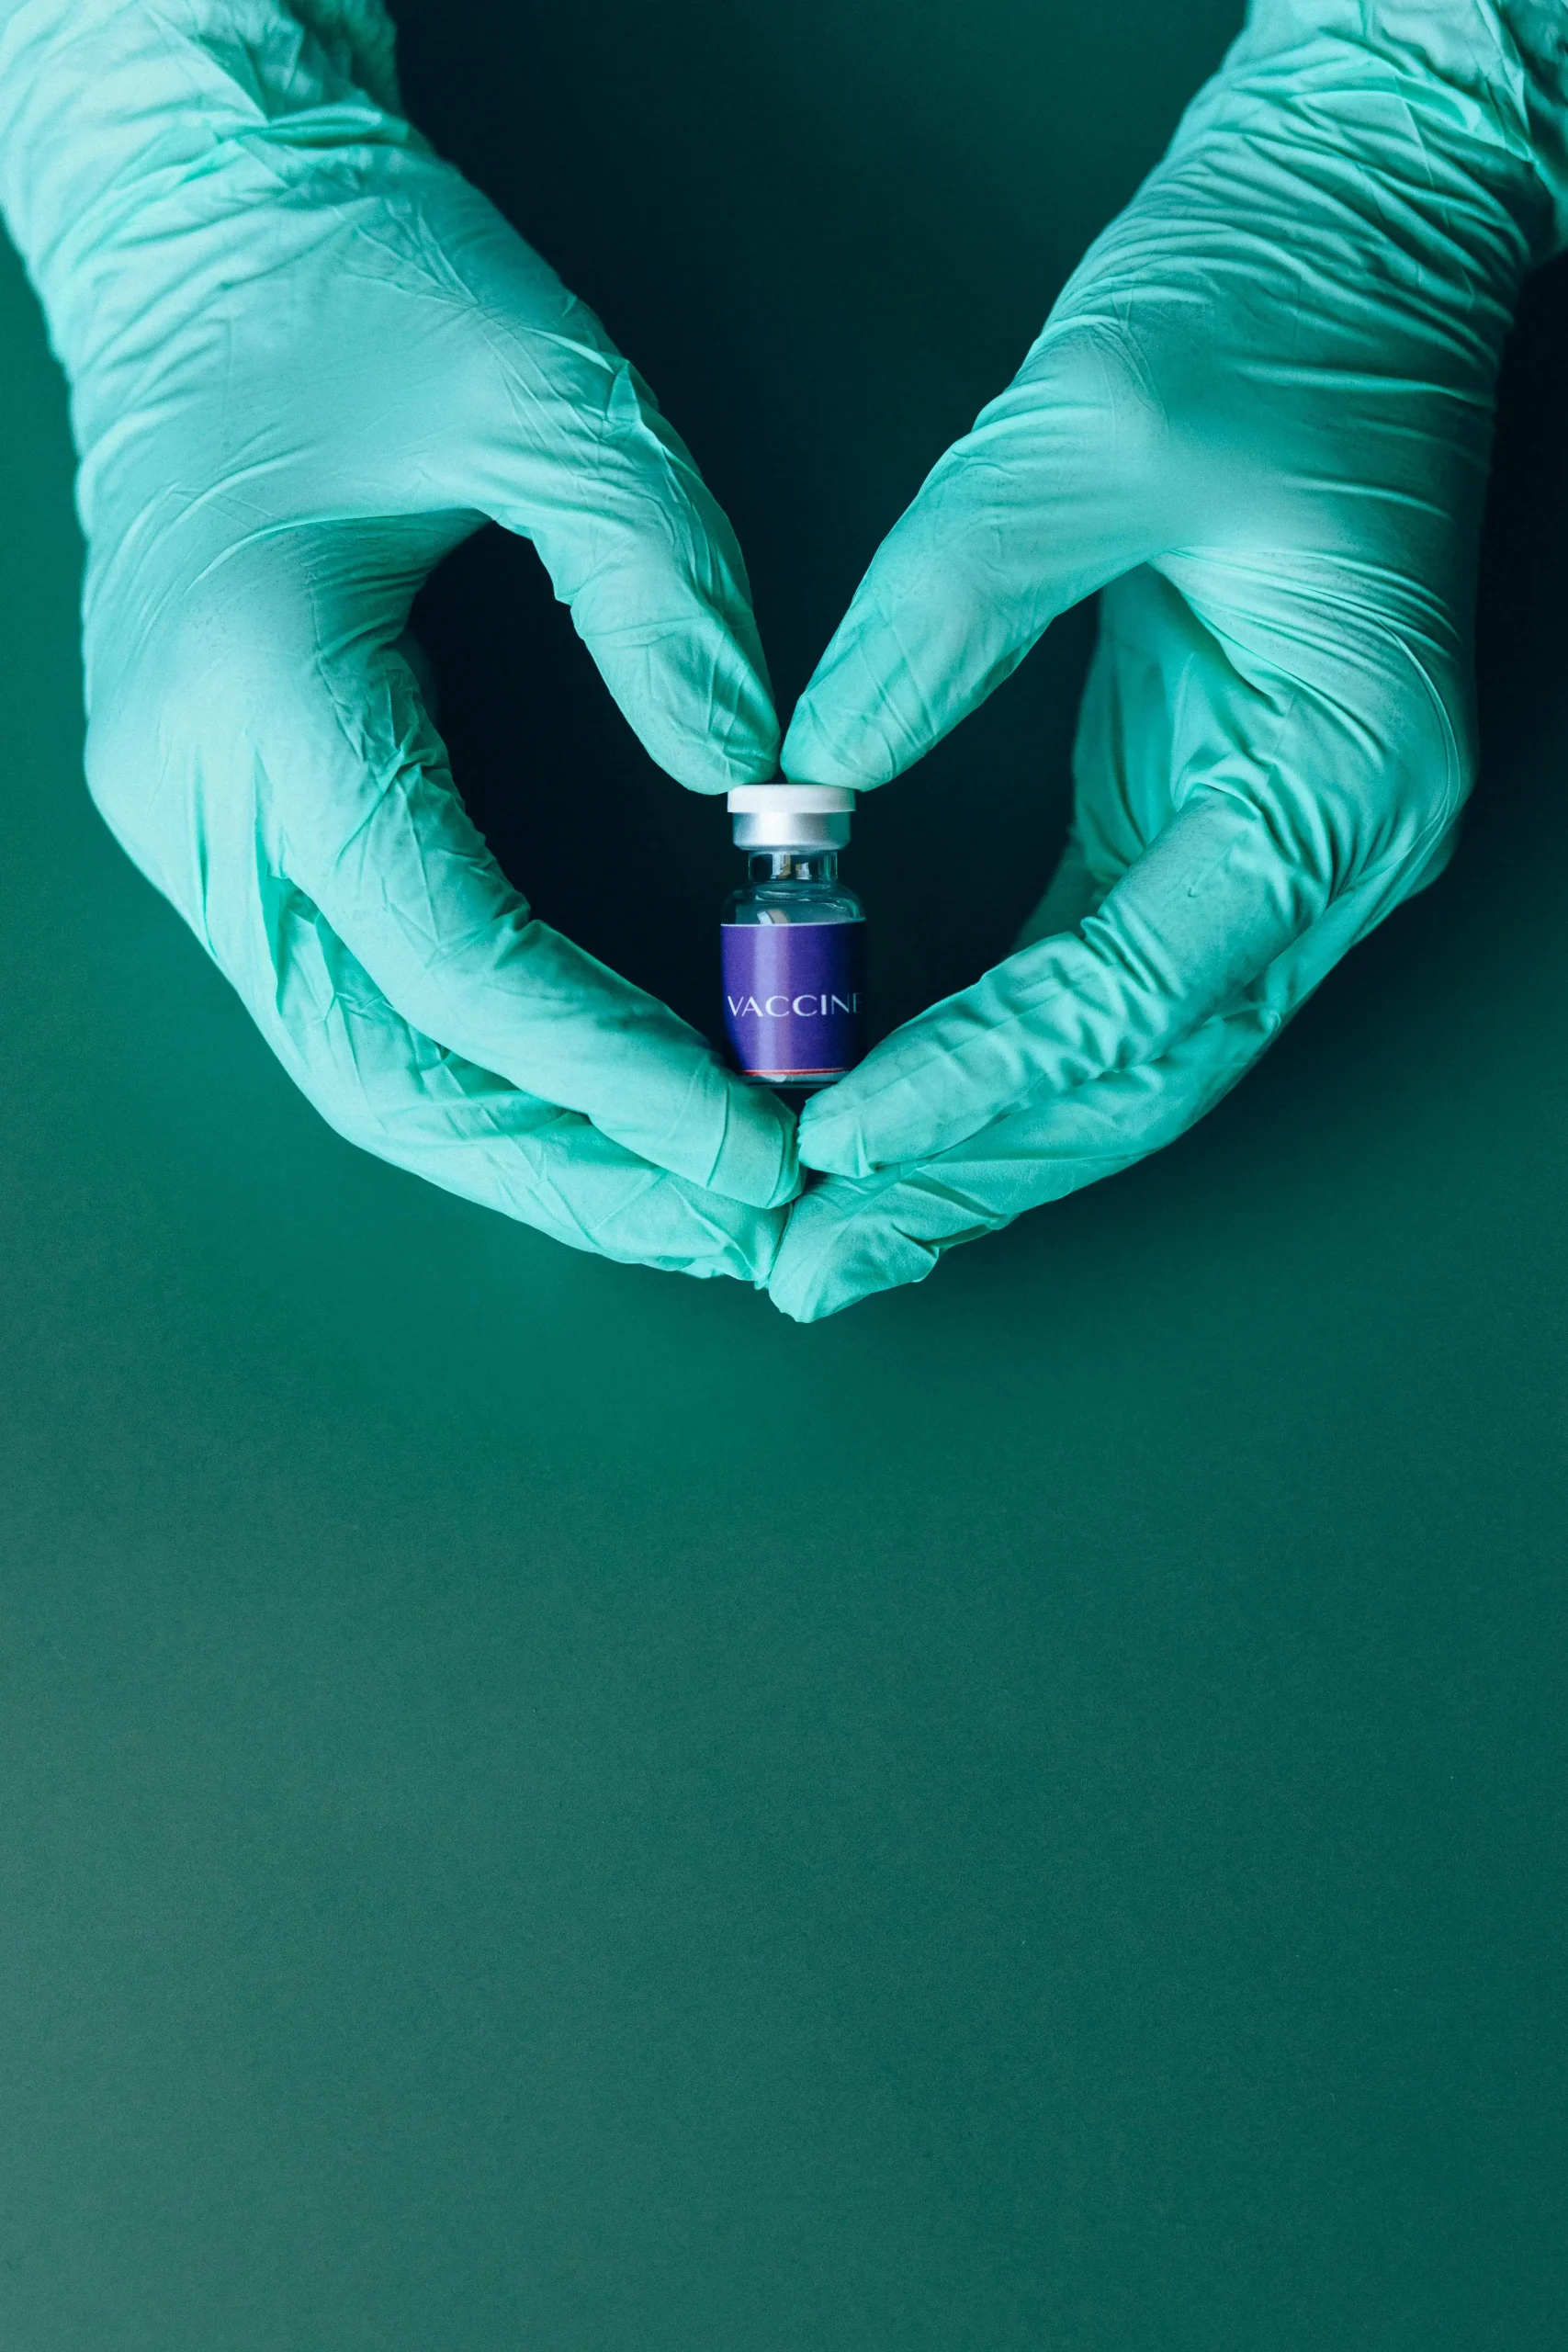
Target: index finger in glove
<point>849,1237</point>
<point>1213,900</point>
<point>399,1094</point>
<point>254,735</point>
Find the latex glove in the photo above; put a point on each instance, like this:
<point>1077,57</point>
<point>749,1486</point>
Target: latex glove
<point>306,359</point>
<point>1262,408</point>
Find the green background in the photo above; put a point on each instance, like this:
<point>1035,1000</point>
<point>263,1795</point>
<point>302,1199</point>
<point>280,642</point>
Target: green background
<point>542,1805</point>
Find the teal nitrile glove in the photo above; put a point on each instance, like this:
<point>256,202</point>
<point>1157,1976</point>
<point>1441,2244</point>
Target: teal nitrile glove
<point>306,360</point>
<point>1262,409</point>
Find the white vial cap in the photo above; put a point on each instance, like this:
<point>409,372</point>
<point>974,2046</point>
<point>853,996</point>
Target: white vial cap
<point>791,815</point>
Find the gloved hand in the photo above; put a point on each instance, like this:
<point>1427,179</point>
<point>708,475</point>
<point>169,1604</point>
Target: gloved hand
<point>1262,410</point>
<point>306,359</point>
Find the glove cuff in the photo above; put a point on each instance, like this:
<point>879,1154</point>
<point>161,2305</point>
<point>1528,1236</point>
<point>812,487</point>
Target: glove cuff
<point>1538,30</point>
<point>125,124</point>
<point>1484,83</point>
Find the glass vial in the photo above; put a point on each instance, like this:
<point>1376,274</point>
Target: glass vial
<point>793,941</point>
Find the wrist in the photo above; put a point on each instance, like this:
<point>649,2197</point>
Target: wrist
<point>1538,30</point>
<point>1477,89</point>
<point>123,121</point>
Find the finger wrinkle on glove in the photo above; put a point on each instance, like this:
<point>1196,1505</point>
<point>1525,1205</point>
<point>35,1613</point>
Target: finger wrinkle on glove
<point>462,1128</point>
<point>852,1237</point>
<point>388,1088</point>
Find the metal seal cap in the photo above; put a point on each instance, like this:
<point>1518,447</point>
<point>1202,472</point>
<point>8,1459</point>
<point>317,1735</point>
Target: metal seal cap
<point>782,815</point>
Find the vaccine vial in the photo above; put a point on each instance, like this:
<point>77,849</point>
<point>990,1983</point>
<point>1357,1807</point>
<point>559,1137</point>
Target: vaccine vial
<point>794,939</point>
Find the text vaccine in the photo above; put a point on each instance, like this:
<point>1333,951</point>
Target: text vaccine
<point>793,939</point>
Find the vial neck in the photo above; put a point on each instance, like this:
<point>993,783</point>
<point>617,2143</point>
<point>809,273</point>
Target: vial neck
<point>793,865</point>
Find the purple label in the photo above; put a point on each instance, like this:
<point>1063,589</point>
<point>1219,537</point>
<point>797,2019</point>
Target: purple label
<point>795,998</point>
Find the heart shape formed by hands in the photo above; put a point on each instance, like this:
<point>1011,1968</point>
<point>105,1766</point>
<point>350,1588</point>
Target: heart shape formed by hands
<point>307,359</point>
